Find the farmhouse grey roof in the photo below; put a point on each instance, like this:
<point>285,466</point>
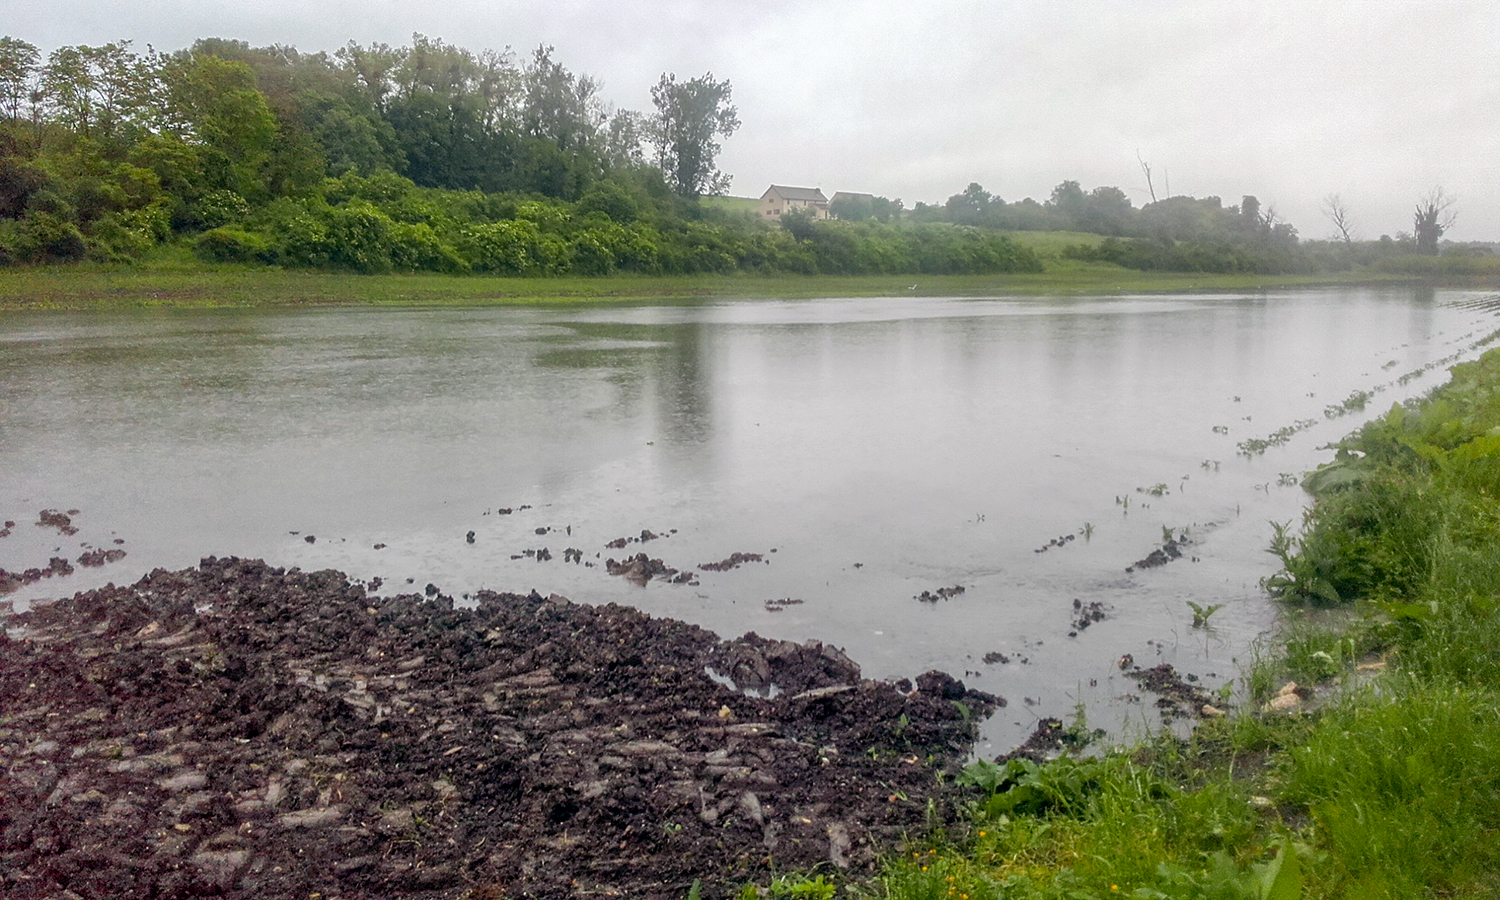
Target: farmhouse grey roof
<point>799,193</point>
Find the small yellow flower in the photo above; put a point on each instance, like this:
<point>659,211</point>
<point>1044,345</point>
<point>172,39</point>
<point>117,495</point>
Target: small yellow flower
<point>1114,887</point>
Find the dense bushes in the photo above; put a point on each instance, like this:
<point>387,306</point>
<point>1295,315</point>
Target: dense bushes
<point>385,223</point>
<point>1223,255</point>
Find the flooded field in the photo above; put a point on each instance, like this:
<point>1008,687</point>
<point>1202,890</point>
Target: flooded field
<point>830,469</point>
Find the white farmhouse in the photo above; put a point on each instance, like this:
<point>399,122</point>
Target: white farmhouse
<point>778,200</point>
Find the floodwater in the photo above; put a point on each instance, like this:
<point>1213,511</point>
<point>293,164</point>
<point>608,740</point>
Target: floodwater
<point>870,449</point>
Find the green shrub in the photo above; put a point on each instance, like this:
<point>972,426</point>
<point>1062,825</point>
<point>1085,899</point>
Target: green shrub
<point>218,208</point>
<point>415,247</point>
<point>503,248</point>
<point>233,245</point>
<point>360,238</point>
<point>41,237</point>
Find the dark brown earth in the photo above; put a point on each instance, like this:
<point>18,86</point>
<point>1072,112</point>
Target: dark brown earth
<point>1085,614</point>
<point>640,569</point>
<point>1171,549</point>
<point>10,582</point>
<point>943,593</point>
<point>1175,698</point>
<point>63,522</point>
<point>242,731</point>
<point>732,561</point>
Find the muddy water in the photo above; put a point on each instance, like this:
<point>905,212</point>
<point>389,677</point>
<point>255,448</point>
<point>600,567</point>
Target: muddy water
<point>869,449</point>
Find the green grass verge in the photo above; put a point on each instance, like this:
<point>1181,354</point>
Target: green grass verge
<point>179,281</point>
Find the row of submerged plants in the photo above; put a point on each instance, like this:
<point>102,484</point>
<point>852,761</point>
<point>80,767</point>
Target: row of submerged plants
<point>1364,760</point>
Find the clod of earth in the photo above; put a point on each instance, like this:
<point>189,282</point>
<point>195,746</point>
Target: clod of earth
<point>1176,698</point>
<point>243,730</point>
<point>63,522</point>
<point>1049,736</point>
<point>95,558</point>
<point>640,569</point>
<point>733,561</point>
<point>10,582</point>
<point>1170,550</point>
<point>647,534</point>
<point>1085,614</point>
<point>1058,541</point>
<point>945,593</point>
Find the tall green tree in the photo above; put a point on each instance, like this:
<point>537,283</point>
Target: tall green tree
<point>218,104</point>
<point>18,71</point>
<point>690,115</point>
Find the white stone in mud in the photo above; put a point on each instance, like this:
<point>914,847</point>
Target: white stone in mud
<point>311,818</point>
<point>645,748</point>
<point>220,867</point>
<point>750,805</point>
<point>187,780</point>
<point>839,844</point>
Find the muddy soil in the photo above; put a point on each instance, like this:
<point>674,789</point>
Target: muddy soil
<point>239,730</point>
<point>1167,552</point>
<point>1175,698</point>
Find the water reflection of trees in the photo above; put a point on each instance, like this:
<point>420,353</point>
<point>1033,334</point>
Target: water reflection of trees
<point>660,369</point>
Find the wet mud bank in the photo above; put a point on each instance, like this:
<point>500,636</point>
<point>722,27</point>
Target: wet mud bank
<point>239,730</point>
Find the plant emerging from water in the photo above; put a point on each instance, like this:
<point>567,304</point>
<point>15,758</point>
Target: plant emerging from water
<point>1201,614</point>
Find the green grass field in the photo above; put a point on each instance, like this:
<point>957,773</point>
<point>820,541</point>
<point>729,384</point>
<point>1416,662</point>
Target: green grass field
<point>732,204</point>
<point>174,278</point>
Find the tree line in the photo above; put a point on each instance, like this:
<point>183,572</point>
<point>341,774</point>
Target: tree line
<point>431,157</point>
<point>427,157</point>
<point>1188,234</point>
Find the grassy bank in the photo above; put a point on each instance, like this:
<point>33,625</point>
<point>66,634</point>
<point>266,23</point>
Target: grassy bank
<point>1377,776</point>
<point>174,278</point>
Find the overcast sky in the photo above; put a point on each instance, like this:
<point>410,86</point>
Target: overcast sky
<point>1290,100</point>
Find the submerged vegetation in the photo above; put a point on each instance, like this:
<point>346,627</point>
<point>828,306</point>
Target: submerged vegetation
<point>1365,761</point>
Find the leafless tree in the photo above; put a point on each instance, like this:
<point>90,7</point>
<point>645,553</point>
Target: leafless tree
<point>1434,215</point>
<point>1336,211</point>
<point>1146,167</point>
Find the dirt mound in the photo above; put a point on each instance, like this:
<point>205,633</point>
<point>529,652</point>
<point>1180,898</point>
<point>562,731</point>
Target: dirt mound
<point>1176,699</point>
<point>732,561</point>
<point>243,731</point>
<point>1171,549</point>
